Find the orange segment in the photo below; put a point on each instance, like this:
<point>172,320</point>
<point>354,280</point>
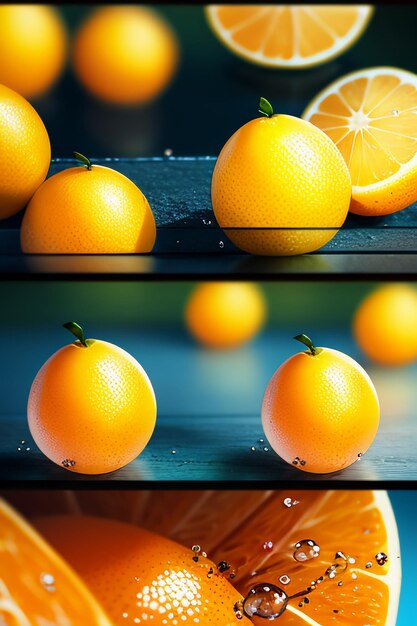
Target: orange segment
<point>288,35</point>
<point>36,586</point>
<point>370,115</point>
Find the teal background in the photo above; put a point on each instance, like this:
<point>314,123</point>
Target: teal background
<point>405,508</point>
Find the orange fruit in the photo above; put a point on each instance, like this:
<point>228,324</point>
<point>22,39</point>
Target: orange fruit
<point>36,585</point>
<point>320,410</point>
<point>288,36</point>
<point>125,54</point>
<point>225,314</point>
<point>91,407</point>
<point>138,576</point>
<point>385,324</point>
<point>280,186</point>
<point>370,116</point>
<point>32,47</point>
<point>88,210</point>
<point>234,526</point>
<point>25,151</point>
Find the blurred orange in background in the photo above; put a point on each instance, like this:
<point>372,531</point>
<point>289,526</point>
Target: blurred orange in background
<point>32,47</point>
<point>125,54</point>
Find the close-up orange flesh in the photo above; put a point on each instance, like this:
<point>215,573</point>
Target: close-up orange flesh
<point>125,565</point>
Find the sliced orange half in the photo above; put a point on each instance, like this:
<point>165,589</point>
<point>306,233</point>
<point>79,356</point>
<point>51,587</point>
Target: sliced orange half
<point>371,115</point>
<point>36,586</point>
<point>235,526</point>
<point>288,36</point>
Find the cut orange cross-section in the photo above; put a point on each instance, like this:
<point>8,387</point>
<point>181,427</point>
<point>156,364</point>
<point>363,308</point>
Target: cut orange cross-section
<point>371,117</point>
<point>36,586</point>
<point>288,36</point>
<point>235,526</point>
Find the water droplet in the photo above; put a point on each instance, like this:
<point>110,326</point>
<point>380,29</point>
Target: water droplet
<point>265,600</point>
<point>238,609</point>
<point>395,112</point>
<point>381,558</point>
<point>284,580</point>
<point>354,576</point>
<point>48,582</point>
<point>196,548</point>
<point>173,452</point>
<point>223,566</point>
<point>23,443</point>
<point>305,550</point>
<point>339,584</point>
<point>261,440</point>
<point>338,566</point>
<point>168,152</point>
<point>296,460</point>
<point>27,449</point>
<point>68,463</point>
<point>19,449</point>
<point>288,502</point>
<point>266,449</point>
<point>368,565</point>
<point>253,449</point>
<point>268,545</point>
<point>221,244</point>
<point>206,222</point>
<point>125,615</point>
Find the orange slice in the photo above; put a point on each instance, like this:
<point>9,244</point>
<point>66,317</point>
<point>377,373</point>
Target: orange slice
<point>36,586</point>
<point>234,526</point>
<point>288,36</point>
<point>371,117</point>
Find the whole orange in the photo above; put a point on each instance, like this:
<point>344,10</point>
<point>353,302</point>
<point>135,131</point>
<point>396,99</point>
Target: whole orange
<point>87,210</point>
<point>140,577</point>
<point>125,54</point>
<point>91,407</point>
<point>225,314</point>
<point>32,47</point>
<point>25,151</point>
<point>385,324</point>
<point>280,186</point>
<point>320,410</point>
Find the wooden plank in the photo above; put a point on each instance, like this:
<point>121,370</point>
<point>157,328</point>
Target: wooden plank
<point>211,448</point>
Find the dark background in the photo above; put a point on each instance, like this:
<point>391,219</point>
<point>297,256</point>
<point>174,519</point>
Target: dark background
<point>213,93</point>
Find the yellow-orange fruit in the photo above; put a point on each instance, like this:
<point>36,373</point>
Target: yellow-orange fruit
<point>88,211</point>
<point>225,314</point>
<point>320,411</point>
<point>25,151</point>
<point>92,408</point>
<point>385,324</point>
<point>33,45</point>
<point>125,54</point>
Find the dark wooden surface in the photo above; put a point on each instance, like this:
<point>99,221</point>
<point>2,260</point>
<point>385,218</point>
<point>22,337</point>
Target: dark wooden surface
<point>190,243</point>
